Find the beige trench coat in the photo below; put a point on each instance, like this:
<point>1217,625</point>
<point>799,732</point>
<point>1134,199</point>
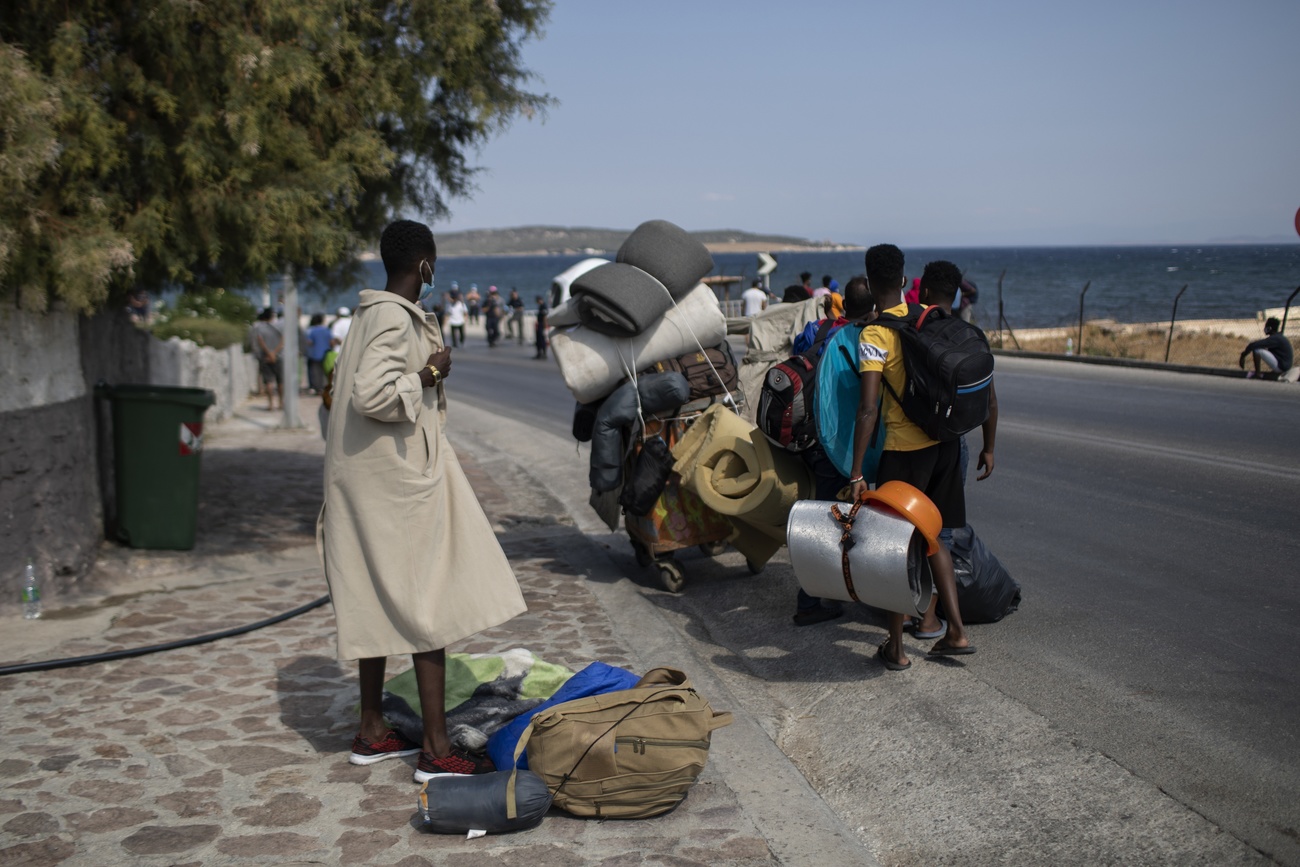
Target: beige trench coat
<point>411,560</point>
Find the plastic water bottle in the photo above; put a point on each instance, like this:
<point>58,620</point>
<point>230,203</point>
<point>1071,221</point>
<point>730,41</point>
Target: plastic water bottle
<point>1069,346</point>
<point>31,593</point>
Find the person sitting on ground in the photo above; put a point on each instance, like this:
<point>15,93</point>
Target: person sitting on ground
<point>411,560</point>
<point>266,342</point>
<point>909,455</point>
<point>1273,350</point>
<point>828,484</point>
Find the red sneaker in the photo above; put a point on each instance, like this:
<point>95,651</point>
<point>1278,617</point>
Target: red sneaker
<point>456,763</point>
<point>394,745</point>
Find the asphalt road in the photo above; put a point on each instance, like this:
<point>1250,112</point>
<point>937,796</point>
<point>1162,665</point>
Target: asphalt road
<point>1150,518</point>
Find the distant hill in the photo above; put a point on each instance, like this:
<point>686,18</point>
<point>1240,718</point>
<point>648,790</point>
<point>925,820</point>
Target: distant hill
<point>539,240</point>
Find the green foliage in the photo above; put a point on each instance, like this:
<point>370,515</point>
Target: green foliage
<point>205,332</point>
<point>212,317</point>
<point>154,142</point>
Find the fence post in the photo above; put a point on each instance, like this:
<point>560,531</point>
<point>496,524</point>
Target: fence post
<point>1287,311</point>
<point>1003,325</point>
<point>1172,317</point>
<point>1079,343</point>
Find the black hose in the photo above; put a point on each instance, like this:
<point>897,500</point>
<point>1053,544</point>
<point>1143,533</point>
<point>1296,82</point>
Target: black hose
<point>110,656</point>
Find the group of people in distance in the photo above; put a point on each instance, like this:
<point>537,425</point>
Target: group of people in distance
<point>454,311</point>
<point>318,344</point>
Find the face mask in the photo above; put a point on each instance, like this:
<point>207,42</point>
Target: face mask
<point>426,289</point>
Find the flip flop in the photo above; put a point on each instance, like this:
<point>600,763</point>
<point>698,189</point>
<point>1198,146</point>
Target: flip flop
<point>949,650</point>
<point>930,636</point>
<point>818,614</point>
<point>889,663</point>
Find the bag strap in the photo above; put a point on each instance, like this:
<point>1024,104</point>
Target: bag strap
<point>512,810</point>
<point>719,719</point>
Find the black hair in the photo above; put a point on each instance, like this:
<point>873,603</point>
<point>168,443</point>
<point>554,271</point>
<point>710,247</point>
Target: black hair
<point>826,280</point>
<point>884,268</point>
<point>1272,325</point>
<point>265,315</point>
<point>794,294</point>
<point>318,319</point>
<point>939,282</point>
<point>857,298</point>
<point>756,284</point>
<point>403,244</point>
<point>805,276</point>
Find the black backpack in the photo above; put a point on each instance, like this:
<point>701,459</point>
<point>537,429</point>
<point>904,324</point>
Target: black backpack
<point>788,397</point>
<point>949,369</point>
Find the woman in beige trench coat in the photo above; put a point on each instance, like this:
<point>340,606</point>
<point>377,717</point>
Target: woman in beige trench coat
<point>411,560</point>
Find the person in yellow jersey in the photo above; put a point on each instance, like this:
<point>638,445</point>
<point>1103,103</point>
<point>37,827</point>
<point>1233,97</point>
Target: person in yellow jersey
<point>909,455</point>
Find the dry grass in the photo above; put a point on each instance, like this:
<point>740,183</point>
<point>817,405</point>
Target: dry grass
<point>1199,348</point>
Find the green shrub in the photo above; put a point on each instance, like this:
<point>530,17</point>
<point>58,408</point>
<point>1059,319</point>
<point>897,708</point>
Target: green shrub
<point>209,317</point>
<point>205,332</point>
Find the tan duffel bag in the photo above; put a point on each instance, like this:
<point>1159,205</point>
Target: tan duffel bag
<point>627,754</point>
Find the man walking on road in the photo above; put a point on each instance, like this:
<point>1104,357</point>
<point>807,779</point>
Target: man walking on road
<point>909,455</point>
<point>411,560</point>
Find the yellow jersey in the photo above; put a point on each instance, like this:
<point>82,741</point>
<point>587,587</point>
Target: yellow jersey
<point>881,349</point>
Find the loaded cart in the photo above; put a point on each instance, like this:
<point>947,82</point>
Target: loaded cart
<point>678,519</point>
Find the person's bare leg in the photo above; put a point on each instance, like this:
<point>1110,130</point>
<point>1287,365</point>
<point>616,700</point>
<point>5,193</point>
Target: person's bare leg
<point>930,620</point>
<point>946,583</point>
<point>431,681</point>
<point>373,727</point>
<point>896,639</point>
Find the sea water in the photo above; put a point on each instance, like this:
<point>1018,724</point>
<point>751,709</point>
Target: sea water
<point>1040,286</point>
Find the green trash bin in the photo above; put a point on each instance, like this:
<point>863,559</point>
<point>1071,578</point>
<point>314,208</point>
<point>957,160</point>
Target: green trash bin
<point>157,443</point>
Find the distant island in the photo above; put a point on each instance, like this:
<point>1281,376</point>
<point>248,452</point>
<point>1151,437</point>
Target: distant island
<point>564,240</point>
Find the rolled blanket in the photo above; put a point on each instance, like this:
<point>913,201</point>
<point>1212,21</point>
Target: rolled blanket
<point>735,471</point>
<point>619,300</point>
<point>592,364</point>
<point>750,480</point>
<point>667,252</point>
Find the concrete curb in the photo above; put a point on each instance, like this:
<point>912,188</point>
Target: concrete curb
<point>1122,362</point>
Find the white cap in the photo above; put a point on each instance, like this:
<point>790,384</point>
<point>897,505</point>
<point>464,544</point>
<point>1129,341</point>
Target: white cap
<point>343,311</point>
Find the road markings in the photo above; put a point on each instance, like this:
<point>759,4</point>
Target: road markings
<point>1148,449</point>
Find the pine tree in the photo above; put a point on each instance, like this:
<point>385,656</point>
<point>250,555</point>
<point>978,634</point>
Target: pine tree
<point>155,143</point>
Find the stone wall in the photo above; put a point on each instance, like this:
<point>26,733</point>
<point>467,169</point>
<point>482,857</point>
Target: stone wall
<point>56,479</point>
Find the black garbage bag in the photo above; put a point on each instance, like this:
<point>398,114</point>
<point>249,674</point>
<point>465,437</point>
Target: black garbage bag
<point>646,480</point>
<point>985,590</point>
<point>457,804</point>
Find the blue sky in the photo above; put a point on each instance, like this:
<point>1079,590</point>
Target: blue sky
<point>925,123</point>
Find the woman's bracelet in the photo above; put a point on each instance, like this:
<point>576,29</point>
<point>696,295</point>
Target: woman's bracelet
<point>436,374</point>
<point>856,479</point>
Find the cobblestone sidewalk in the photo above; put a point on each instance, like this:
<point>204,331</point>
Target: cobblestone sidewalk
<point>235,752</point>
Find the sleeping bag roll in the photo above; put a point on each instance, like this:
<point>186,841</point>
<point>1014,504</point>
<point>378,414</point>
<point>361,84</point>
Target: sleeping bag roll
<point>666,251</point>
<point>619,300</point>
<point>455,804</point>
<point>592,363</point>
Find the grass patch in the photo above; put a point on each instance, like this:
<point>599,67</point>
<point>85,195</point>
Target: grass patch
<point>1199,348</point>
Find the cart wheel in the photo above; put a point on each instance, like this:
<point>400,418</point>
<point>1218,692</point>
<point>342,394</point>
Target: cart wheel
<point>753,568</point>
<point>671,577</point>
<point>643,555</point>
<point>713,549</point>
